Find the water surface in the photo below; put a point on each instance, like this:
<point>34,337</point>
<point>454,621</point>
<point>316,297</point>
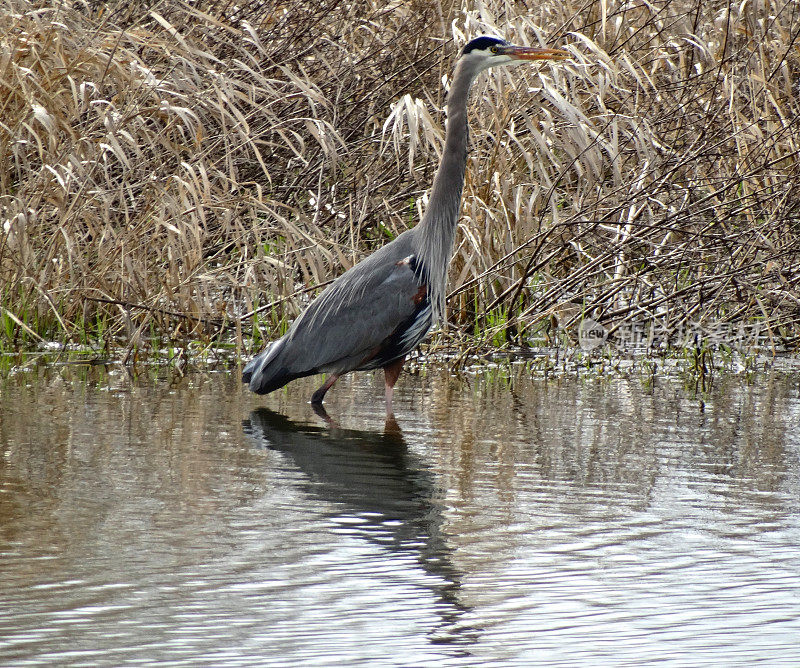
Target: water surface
<point>500,520</point>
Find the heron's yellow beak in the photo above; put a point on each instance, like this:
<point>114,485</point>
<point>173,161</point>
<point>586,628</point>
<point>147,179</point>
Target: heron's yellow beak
<point>534,53</point>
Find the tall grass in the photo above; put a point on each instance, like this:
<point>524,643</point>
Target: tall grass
<point>178,171</point>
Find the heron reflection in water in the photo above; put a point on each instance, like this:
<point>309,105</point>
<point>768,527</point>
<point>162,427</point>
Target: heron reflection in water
<point>374,477</point>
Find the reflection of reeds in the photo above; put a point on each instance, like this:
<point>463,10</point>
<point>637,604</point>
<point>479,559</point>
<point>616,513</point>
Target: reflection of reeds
<point>168,171</point>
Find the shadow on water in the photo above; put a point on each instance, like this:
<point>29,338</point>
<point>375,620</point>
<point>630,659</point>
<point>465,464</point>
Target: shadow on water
<point>384,493</point>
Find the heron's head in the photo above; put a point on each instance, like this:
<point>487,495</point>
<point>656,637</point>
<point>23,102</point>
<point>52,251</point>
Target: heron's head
<point>486,52</point>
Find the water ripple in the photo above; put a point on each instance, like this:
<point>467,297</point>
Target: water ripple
<point>506,521</point>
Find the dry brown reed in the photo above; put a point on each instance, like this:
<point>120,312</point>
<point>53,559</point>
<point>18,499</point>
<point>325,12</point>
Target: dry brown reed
<point>197,171</point>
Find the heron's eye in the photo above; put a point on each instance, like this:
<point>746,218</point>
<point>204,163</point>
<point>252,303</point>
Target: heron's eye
<point>493,49</point>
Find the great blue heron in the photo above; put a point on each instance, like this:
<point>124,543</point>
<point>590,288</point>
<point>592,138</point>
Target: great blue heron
<point>377,312</point>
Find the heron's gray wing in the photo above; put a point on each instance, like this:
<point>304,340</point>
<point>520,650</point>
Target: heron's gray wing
<point>356,315</point>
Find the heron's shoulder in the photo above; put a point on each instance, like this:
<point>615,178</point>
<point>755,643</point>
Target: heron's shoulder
<point>378,265</point>
<point>401,246</point>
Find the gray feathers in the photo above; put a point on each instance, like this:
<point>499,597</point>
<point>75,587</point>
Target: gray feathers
<point>380,310</point>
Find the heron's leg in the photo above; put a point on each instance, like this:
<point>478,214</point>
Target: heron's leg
<point>319,409</point>
<point>319,395</point>
<point>392,373</point>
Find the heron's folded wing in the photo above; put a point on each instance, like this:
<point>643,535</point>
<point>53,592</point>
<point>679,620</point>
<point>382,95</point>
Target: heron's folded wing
<point>355,315</point>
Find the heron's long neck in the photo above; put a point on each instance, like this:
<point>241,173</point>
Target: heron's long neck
<point>438,226</point>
